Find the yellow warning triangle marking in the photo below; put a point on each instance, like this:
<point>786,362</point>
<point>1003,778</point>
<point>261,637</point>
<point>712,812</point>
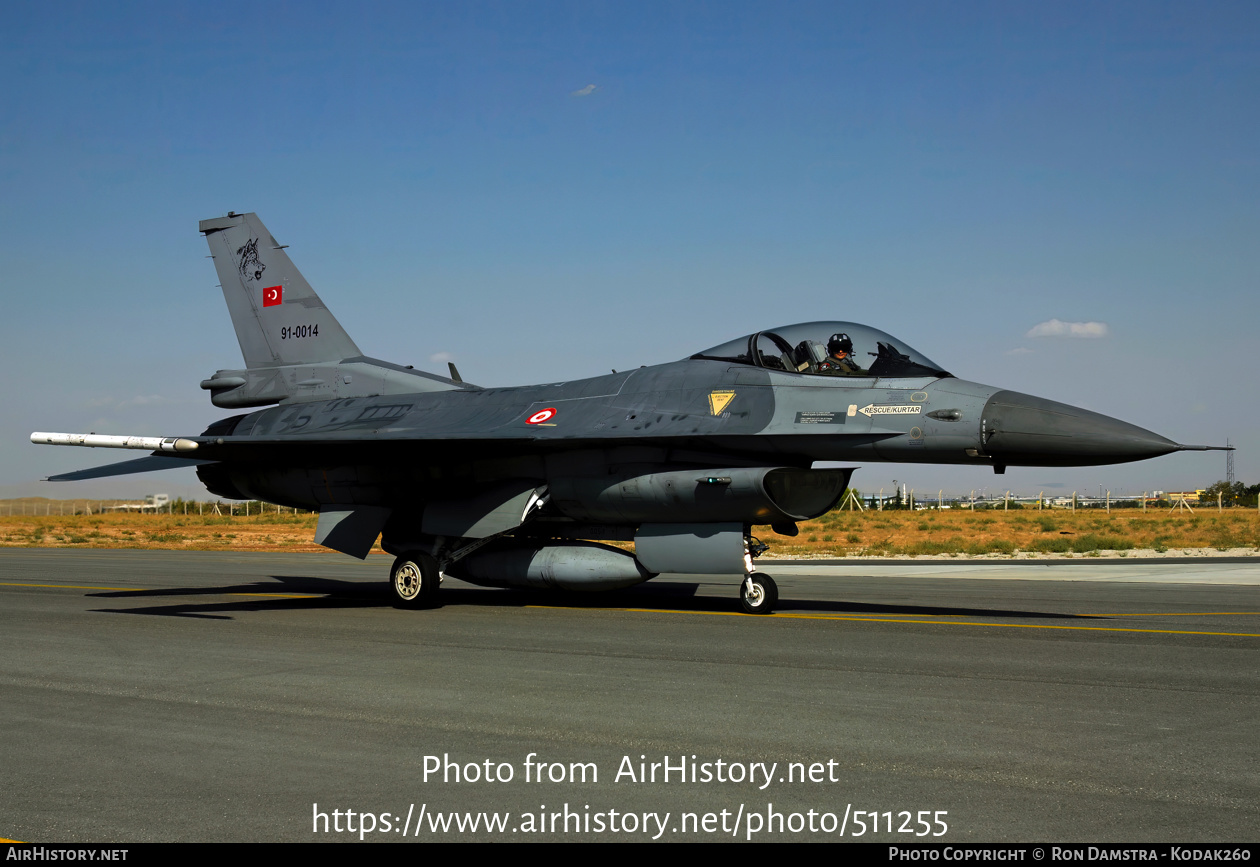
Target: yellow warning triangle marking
<point>718,400</point>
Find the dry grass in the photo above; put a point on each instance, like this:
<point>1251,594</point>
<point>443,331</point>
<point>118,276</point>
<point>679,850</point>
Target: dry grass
<point>956,532</point>
<point>267,532</point>
<point>838,534</point>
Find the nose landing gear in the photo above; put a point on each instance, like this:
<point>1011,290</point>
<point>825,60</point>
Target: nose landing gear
<point>758,594</point>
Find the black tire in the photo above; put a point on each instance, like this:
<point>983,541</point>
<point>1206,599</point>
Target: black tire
<point>758,594</point>
<point>414,580</point>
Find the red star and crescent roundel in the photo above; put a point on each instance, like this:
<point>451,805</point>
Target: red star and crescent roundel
<point>543,415</point>
<point>273,295</point>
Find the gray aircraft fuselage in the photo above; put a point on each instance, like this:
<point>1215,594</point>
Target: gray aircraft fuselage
<point>765,415</point>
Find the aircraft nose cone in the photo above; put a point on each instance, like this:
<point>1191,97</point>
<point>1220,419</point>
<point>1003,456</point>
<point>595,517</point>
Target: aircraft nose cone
<point>1030,431</point>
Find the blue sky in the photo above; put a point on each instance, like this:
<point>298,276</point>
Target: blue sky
<point>955,174</point>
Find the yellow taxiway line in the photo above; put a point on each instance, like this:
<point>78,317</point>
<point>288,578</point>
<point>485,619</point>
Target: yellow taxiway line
<point>779,616</point>
<point>1176,614</point>
<point>859,619</point>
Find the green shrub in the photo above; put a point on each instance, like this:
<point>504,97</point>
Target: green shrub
<point>993,546</point>
<point>930,547</point>
<point>1098,542</point>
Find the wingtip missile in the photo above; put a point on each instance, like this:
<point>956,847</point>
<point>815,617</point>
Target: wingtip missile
<point>104,441</point>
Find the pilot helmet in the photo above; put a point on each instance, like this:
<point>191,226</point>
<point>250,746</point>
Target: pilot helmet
<point>839,343</point>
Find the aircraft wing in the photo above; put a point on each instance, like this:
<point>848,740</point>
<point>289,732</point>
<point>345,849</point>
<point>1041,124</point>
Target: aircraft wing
<point>335,447</point>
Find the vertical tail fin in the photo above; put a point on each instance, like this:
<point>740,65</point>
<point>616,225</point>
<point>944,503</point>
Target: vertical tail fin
<point>279,319</point>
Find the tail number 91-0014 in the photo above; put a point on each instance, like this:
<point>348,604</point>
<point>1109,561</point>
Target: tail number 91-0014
<point>292,332</point>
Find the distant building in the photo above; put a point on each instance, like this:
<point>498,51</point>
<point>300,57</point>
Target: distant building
<point>152,503</point>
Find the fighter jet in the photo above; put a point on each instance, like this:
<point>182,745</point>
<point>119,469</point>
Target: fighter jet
<point>520,487</point>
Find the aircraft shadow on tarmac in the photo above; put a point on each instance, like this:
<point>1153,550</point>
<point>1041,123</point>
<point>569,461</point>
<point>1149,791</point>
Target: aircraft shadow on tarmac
<point>666,596</point>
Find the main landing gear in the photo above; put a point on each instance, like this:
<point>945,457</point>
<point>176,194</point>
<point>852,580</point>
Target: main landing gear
<point>758,594</point>
<point>414,580</point>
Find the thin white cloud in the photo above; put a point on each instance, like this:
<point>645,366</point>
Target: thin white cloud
<point>440,357</point>
<point>142,400</point>
<point>1059,328</point>
<point>1019,350</point>
<point>138,400</point>
<point>586,91</point>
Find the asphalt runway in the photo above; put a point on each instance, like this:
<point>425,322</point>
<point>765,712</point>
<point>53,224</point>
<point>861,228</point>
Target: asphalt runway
<point>197,696</point>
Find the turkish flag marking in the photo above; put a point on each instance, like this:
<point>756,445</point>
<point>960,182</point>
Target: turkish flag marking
<point>273,295</point>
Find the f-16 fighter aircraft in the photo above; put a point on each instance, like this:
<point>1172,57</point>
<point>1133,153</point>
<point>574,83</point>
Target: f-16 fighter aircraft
<point>509,486</point>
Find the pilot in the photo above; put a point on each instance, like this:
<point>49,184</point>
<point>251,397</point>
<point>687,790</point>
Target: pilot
<point>839,360</point>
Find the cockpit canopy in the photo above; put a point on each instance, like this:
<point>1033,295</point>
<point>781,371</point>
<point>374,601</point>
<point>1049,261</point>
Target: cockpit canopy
<point>827,349</point>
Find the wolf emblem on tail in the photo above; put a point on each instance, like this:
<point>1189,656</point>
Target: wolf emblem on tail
<point>250,266</point>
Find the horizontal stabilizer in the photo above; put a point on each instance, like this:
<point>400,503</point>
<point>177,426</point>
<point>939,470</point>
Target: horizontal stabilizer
<point>140,465</point>
<point>350,529</point>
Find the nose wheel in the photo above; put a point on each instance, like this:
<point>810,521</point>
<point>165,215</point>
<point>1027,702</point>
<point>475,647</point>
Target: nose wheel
<point>758,594</point>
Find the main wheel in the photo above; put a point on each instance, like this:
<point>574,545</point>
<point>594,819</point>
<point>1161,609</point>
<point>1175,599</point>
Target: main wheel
<point>414,581</point>
<point>758,594</point>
